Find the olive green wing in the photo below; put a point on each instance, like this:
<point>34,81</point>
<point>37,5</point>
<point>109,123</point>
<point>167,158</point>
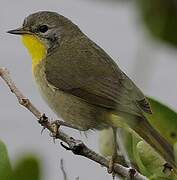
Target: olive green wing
<point>83,69</point>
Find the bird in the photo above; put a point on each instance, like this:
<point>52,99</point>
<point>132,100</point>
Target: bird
<point>82,84</point>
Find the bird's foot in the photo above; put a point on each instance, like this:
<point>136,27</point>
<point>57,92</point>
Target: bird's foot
<point>43,120</point>
<point>111,166</point>
<point>63,123</point>
<point>55,126</point>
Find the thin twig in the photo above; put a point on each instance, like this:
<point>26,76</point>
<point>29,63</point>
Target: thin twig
<point>76,146</point>
<point>63,169</point>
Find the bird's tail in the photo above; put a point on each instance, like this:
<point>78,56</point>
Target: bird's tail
<point>153,138</point>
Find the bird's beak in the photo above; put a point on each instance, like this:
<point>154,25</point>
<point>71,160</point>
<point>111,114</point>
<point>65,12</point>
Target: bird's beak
<point>19,31</point>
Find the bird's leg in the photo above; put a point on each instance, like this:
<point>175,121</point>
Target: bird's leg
<point>44,121</point>
<point>56,125</point>
<point>115,155</point>
<point>122,148</point>
<point>118,145</point>
<point>63,123</point>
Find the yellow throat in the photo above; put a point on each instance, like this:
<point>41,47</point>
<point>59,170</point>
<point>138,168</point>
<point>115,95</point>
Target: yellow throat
<point>36,48</point>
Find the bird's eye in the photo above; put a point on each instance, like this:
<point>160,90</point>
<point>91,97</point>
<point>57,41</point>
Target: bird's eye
<point>43,28</point>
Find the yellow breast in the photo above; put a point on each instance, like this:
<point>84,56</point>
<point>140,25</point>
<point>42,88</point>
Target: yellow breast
<point>36,48</point>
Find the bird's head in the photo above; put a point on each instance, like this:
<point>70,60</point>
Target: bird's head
<point>44,31</point>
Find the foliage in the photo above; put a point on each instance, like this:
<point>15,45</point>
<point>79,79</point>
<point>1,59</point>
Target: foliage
<point>160,16</point>
<point>148,162</point>
<point>164,119</point>
<point>27,168</point>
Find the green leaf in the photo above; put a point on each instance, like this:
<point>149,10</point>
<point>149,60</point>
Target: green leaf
<point>164,119</point>
<point>160,16</point>
<point>5,167</point>
<point>142,168</point>
<point>153,162</point>
<point>148,161</point>
<point>175,150</point>
<point>27,169</point>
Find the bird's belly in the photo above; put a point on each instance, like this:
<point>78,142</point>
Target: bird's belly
<point>72,109</point>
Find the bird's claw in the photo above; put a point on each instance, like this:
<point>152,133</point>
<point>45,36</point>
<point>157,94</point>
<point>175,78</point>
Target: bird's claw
<point>111,167</point>
<point>43,130</point>
<point>43,119</point>
<point>53,135</point>
<point>56,125</point>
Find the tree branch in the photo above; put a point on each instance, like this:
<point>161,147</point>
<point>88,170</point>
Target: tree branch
<point>76,146</point>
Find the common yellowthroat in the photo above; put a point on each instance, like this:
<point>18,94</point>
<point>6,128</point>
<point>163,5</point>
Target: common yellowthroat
<point>82,83</point>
